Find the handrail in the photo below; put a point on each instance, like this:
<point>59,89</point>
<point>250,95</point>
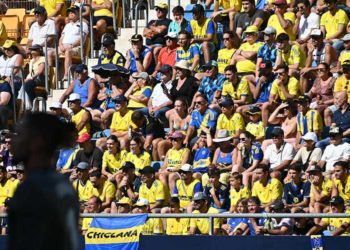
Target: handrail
<point>114,17</point>
<point>138,5</point>
<point>69,80</point>
<point>47,63</point>
<point>124,13</point>
<point>169,9</point>
<point>12,84</point>
<point>81,32</point>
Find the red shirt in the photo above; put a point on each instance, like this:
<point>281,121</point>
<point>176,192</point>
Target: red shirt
<point>166,57</point>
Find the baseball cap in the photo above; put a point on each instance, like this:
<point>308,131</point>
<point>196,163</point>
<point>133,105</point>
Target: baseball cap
<point>303,99</point>
<point>269,30</point>
<point>316,32</point>
<point>8,44</point>
<point>310,136</point>
<point>80,68</point>
<point>254,110</point>
<point>199,196</point>
<point>147,170</point>
<point>252,29</point>
<point>226,102</point>
<point>177,134</point>
<point>346,64</point>
<point>265,66</point>
<point>335,131</point>
<point>141,202</point>
<point>83,165</point>
<point>346,38</point>
<point>73,8</point>
<point>136,37</point>
<point>83,138</point>
<point>210,64</point>
<point>277,205</point>
<point>120,99</point>
<point>74,97</point>
<point>277,131</point>
<point>128,165</point>
<point>39,10</point>
<point>124,201</point>
<point>280,2</point>
<point>19,167</point>
<point>198,8</point>
<point>336,200</point>
<point>108,40</point>
<point>186,168</point>
<point>163,6</point>
<point>171,35</point>
<point>143,75</point>
<point>56,105</point>
<point>165,68</point>
<point>314,168</point>
<point>35,47</point>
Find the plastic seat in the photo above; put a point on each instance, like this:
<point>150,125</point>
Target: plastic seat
<point>11,23</point>
<point>27,20</point>
<point>20,12</point>
<point>188,12</point>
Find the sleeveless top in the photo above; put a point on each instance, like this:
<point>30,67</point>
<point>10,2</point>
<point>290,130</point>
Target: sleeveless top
<point>179,128</point>
<point>7,64</point>
<point>144,51</point>
<point>318,56</point>
<point>225,160</point>
<point>83,91</point>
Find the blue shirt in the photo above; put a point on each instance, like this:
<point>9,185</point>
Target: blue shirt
<point>196,189</point>
<point>265,90</point>
<point>342,120</point>
<point>197,119</point>
<point>296,193</point>
<point>65,158</point>
<point>255,153</point>
<point>144,51</point>
<point>174,26</point>
<point>209,86</point>
<point>223,195</point>
<point>236,222</point>
<point>267,53</point>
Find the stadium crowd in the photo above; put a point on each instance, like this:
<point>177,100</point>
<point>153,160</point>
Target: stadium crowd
<point>244,110</point>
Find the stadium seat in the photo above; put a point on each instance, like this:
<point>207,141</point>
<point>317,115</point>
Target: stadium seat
<point>27,19</point>
<point>20,12</point>
<point>188,12</point>
<point>12,25</point>
<point>156,165</point>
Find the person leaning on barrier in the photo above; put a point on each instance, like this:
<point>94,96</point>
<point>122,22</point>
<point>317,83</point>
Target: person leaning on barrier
<point>176,226</point>
<point>121,206</point>
<point>341,180</point>
<point>93,205</point>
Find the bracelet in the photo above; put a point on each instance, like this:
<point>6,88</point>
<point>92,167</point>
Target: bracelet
<point>137,58</point>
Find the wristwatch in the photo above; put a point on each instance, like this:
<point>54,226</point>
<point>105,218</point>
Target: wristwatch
<point>137,58</point>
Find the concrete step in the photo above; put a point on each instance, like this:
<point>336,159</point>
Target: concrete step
<point>56,95</point>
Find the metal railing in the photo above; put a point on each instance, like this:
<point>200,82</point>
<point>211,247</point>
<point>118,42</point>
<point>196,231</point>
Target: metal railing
<point>82,35</point>
<point>137,9</point>
<point>47,63</point>
<point>114,17</point>
<point>12,83</point>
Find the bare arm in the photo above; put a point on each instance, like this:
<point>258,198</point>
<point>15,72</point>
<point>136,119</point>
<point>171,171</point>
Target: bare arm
<point>92,93</point>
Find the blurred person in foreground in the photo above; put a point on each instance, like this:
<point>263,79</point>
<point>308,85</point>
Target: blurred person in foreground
<point>49,219</point>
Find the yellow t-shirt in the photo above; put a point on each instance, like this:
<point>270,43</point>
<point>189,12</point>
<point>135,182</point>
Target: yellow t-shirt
<point>231,124</point>
<point>113,163</point>
<point>344,191</point>
<point>274,22</point>
<point>235,195</point>
<point>102,12</point>
<point>227,4</point>
<point>3,33</point>
<point>121,123</point>
<point>272,191</point>
<point>7,190</point>
<point>342,84</point>
<point>185,192</point>
<point>200,31</point>
<point>138,92</point>
<point>326,188</point>
<point>236,92</point>
<point>76,119</point>
<point>292,87</point>
<point>175,157</point>
<point>313,122</point>
<point>84,191</point>
<point>157,192</point>
<point>331,23</point>
<point>50,6</point>
<point>106,190</point>
<point>176,226</point>
<point>153,226</point>
<point>248,65</point>
<point>224,58</point>
<point>256,129</point>
<point>203,224</point>
<point>344,55</point>
<point>140,161</point>
<point>293,56</point>
<point>334,223</point>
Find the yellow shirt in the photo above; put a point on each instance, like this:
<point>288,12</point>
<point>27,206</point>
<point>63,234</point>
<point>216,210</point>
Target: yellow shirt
<point>3,33</point>
<point>236,92</point>
<point>292,88</point>
<point>331,23</point>
<point>272,191</point>
<point>138,92</point>
<point>121,123</point>
<point>293,56</point>
<point>14,184</point>
<point>231,124</point>
<point>113,163</point>
<point>334,223</point>
<point>176,226</point>
<point>313,122</point>
<point>102,12</point>
<point>326,188</point>
<point>344,55</point>
<point>274,22</point>
<point>76,119</point>
<point>6,191</point>
<point>224,58</point>
<point>235,195</point>
<point>227,4</point>
<point>256,129</point>
<point>248,65</point>
<point>106,190</point>
<point>175,157</point>
<point>342,84</point>
<point>50,6</point>
<point>83,191</point>
<point>344,191</point>
<point>157,192</point>
<point>200,31</point>
<point>153,226</point>
<point>140,161</point>
<point>185,192</point>
<point>203,224</point>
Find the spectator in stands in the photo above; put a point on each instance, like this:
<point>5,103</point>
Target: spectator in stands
<point>121,121</point>
<point>308,120</point>
<point>341,181</point>
<point>88,152</point>
<point>84,86</point>
<point>344,54</point>
<point>262,87</point>
<point>202,116</point>
<point>80,116</point>
<point>147,126</point>
<point>65,161</point>
<point>268,51</point>
<point>233,224</point>
<point>5,154</point>
<point>230,120</point>
<point>249,16</point>
<point>337,226</point>
<point>93,205</point>
<point>69,43</point>
<point>225,54</point>
<point>54,8</point>
<point>103,17</point>
<point>283,20</point>
<point>42,27</point>
<point>280,154</point>
<point>137,155</point>
<point>201,206</point>
<point>179,23</point>
<point>86,11</point>
<point>342,82</point>
<point>302,225</point>
<point>203,32</point>
<point>245,57</point>
<point>129,184</point>
<point>308,155</point>
<point>238,191</point>
<point>306,21</point>
<point>255,125</point>
<point>296,192</point>
<point>167,55</point>
<point>79,178</point>
<point>6,104</point>
<point>333,24</point>
<point>20,173</point>
<point>139,58</point>
<point>176,226</point>
<point>188,51</point>
<point>121,206</point>
<point>156,29</point>
<point>7,187</point>
<point>202,150</point>
<point>139,92</point>
<point>228,12</point>
<point>153,190</point>
<point>289,54</point>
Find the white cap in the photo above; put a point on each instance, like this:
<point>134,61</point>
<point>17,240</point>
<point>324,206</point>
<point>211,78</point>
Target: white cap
<point>269,30</point>
<point>56,105</point>
<point>171,35</point>
<point>73,97</point>
<point>141,202</point>
<point>310,136</point>
<point>187,167</point>
<point>346,37</point>
<point>316,32</point>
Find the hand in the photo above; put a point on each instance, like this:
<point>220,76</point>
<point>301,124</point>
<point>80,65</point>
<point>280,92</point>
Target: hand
<point>260,230</point>
<point>279,83</point>
<point>123,182</point>
<point>283,105</point>
<point>212,191</point>
<point>190,109</point>
<point>305,70</point>
<point>192,40</point>
<point>205,129</point>
<point>215,14</point>
<point>136,51</point>
<point>298,14</point>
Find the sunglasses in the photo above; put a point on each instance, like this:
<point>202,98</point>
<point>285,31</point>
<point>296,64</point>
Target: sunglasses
<point>280,73</point>
<point>242,139</point>
<point>226,38</point>
<point>199,103</point>
<point>175,139</point>
<point>321,70</point>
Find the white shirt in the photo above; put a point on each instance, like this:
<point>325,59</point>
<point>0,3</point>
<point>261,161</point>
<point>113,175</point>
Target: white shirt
<point>71,32</point>
<point>158,97</point>
<point>38,33</point>
<point>276,157</point>
<point>333,153</point>
<point>308,24</point>
<point>7,65</point>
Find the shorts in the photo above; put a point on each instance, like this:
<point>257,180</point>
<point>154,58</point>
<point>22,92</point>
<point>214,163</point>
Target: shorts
<point>75,51</point>
<point>108,20</point>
